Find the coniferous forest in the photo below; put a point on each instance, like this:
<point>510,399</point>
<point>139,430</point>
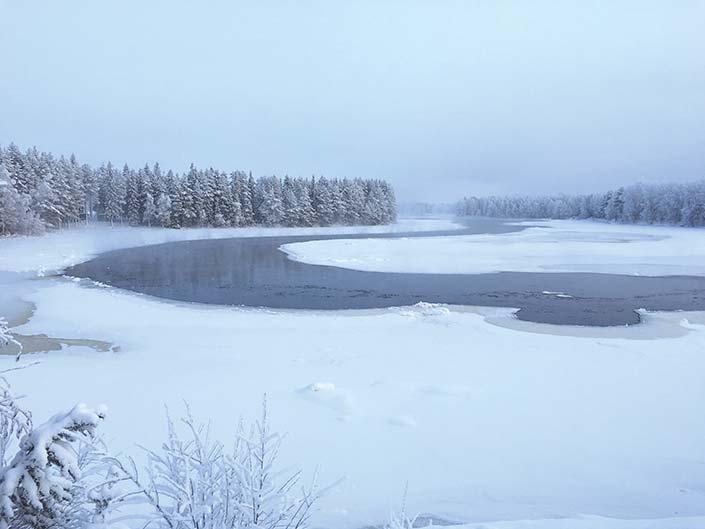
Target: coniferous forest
<point>677,204</point>
<point>39,191</point>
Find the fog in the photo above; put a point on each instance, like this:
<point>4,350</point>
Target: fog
<point>442,98</point>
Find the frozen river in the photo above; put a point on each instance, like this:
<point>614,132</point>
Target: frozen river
<point>502,419</point>
<point>255,272</point>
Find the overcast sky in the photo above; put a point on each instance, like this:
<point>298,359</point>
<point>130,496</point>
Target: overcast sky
<point>442,98</point>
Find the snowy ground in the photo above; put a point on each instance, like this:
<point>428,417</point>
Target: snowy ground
<point>556,246</point>
<point>484,420</point>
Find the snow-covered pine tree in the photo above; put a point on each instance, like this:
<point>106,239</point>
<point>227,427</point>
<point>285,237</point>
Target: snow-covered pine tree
<point>222,200</point>
<point>194,213</point>
<point>693,211</point>
<point>131,208</point>
<point>89,178</point>
<point>251,194</point>
<point>135,197</point>
<point>163,213</point>
<point>77,190</point>
<point>210,191</point>
<point>14,162</point>
<point>29,171</point>
<point>147,177</point>
<point>390,203</point>
<point>60,210</point>
<point>244,188</point>
<point>339,204</point>
<point>182,206</point>
<point>323,202</point>
<point>376,210</point>
<point>615,206</point>
<point>291,216</point>
<point>633,204</point>
<point>236,191</point>
<point>115,193</point>
<point>268,201</point>
<point>302,190</point>
<point>353,196</point>
<point>149,208</point>
<point>43,196</point>
<point>38,488</point>
<point>157,181</point>
<point>670,205</point>
<point>174,191</point>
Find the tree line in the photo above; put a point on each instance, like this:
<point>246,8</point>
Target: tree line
<point>678,204</point>
<point>39,190</point>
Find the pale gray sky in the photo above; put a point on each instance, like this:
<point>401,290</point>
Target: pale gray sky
<point>443,98</point>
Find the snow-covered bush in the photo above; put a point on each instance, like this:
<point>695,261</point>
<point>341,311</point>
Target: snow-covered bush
<point>53,480</point>
<point>42,487</point>
<point>14,422</point>
<point>193,482</point>
<point>6,337</point>
<point>50,482</point>
<point>401,520</point>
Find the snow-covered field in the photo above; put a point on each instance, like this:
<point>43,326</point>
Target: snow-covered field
<point>485,420</point>
<point>555,246</point>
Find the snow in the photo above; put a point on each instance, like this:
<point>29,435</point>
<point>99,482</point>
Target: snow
<point>593,522</point>
<point>485,420</point>
<point>550,246</point>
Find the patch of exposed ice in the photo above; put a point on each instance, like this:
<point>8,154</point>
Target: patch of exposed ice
<point>556,294</point>
<point>423,309</point>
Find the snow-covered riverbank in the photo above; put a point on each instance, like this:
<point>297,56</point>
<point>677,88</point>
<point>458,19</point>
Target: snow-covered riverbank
<point>555,246</point>
<point>483,421</point>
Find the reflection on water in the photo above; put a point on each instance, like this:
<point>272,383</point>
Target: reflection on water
<point>254,272</point>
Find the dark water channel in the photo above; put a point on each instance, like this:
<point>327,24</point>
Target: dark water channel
<point>254,272</point>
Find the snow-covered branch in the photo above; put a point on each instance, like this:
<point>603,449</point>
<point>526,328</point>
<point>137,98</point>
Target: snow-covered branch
<point>41,487</point>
